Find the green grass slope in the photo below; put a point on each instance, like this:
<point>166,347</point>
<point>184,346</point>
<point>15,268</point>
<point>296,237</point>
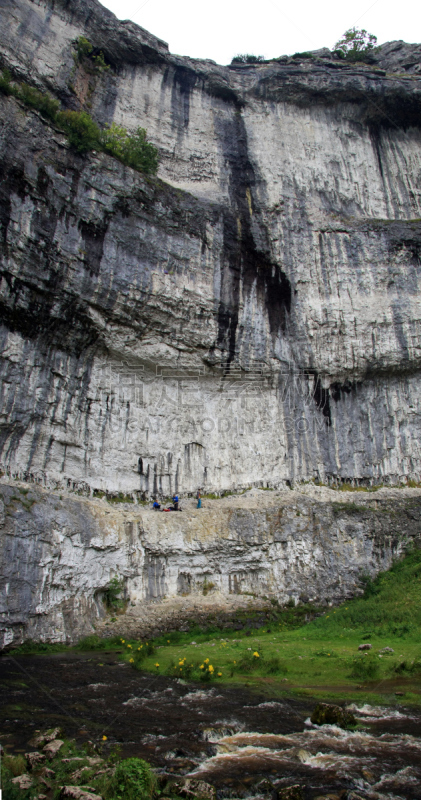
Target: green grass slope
<point>303,650</point>
<point>319,658</point>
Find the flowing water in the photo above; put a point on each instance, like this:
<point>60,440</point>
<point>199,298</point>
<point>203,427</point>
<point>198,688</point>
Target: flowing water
<point>241,742</point>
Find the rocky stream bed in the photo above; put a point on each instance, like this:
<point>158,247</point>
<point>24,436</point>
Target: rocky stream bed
<point>242,743</point>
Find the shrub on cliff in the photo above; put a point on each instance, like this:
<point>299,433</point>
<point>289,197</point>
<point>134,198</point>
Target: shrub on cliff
<point>133,150</point>
<point>81,130</point>
<point>112,594</point>
<point>88,56</point>
<point>247,58</point>
<point>5,83</point>
<point>41,101</point>
<point>356,44</point>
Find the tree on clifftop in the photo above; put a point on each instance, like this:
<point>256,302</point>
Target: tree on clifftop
<point>356,44</point>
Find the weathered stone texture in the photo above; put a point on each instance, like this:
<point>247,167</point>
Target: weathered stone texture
<point>250,318</point>
<point>263,328</point>
<point>60,552</point>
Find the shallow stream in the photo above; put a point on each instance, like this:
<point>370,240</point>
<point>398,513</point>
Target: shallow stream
<point>233,738</point>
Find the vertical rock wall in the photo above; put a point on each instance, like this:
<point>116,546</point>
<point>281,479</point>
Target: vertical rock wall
<point>59,553</point>
<point>252,317</point>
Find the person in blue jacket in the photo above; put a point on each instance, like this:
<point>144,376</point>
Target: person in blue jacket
<point>175,502</point>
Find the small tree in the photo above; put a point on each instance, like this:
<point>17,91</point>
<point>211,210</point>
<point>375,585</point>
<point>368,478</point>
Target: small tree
<point>356,44</point>
<point>112,594</point>
<point>132,149</point>
<point>247,58</point>
<point>81,130</point>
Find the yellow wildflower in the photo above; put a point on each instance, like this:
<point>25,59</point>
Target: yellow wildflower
<point>256,654</point>
<point>206,661</point>
<point>157,665</point>
<point>210,668</point>
<point>104,738</point>
<point>219,674</point>
<point>129,645</point>
<point>202,666</point>
<point>122,641</point>
<point>235,662</point>
<point>131,660</point>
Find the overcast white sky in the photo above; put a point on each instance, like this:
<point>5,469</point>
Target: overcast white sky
<point>222,28</point>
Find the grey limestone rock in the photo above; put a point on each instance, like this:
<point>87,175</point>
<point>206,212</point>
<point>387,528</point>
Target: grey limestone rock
<point>250,317</point>
<point>59,555</point>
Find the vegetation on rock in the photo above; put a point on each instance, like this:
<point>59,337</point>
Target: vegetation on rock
<point>82,131</point>
<point>112,594</point>
<point>247,58</point>
<point>87,55</point>
<point>289,653</point>
<point>356,44</point>
<point>300,649</point>
<point>133,779</point>
<point>329,714</point>
<point>74,770</point>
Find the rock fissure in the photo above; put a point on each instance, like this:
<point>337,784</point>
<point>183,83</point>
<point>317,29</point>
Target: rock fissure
<point>251,317</point>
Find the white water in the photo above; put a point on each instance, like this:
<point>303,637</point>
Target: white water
<point>378,766</point>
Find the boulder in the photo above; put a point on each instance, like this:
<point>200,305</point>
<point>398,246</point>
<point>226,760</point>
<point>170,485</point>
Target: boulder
<point>37,740</point>
<point>341,796</point>
<point>366,646</point>
<point>23,781</point>
<point>329,796</point>
<point>76,793</point>
<point>41,738</point>
<point>34,759</point>
<point>190,787</point>
<point>74,758</point>
<point>52,734</point>
<point>51,749</point>
<point>76,776</point>
<point>329,714</point>
<point>47,773</point>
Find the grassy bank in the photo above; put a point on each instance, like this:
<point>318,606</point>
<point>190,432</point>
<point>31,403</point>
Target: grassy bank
<point>320,658</point>
<point>303,650</point>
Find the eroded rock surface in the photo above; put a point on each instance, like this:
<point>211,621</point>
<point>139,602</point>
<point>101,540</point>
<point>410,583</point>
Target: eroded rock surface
<point>60,552</point>
<point>254,320</point>
<point>251,317</point>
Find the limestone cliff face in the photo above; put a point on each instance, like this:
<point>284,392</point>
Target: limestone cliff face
<point>58,553</point>
<point>254,316</point>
